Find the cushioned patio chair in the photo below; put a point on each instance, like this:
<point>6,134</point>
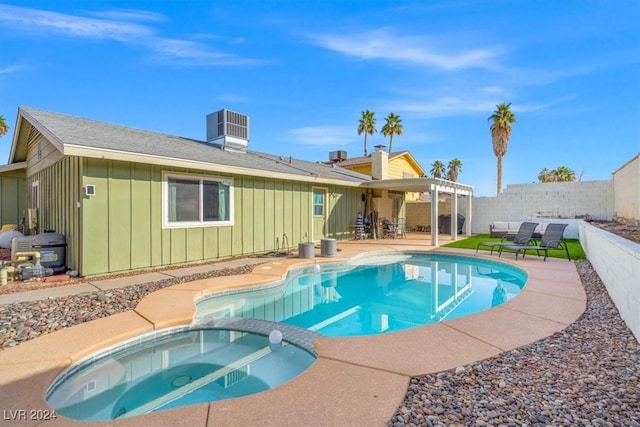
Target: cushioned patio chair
<point>551,239</point>
<point>524,236</point>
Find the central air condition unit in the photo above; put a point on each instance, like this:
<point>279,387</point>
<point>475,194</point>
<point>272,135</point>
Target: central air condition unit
<point>337,156</point>
<point>228,130</point>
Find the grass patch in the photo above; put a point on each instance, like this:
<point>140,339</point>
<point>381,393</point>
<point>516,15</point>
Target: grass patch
<point>575,248</point>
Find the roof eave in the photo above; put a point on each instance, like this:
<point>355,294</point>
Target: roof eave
<point>420,184</point>
<point>81,151</point>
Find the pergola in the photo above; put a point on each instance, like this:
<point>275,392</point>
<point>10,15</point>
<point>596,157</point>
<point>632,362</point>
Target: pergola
<point>434,186</point>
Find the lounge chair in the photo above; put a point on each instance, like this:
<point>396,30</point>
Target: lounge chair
<point>522,237</point>
<point>551,239</point>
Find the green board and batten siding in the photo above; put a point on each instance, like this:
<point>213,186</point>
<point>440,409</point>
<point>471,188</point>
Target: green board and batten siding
<point>59,210</point>
<point>122,223</point>
<point>12,197</point>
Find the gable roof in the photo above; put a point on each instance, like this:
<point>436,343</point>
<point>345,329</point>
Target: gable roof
<point>366,160</point>
<point>75,136</point>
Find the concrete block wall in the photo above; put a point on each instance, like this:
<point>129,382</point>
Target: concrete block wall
<point>617,262</point>
<point>626,186</point>
<point>545,201</point>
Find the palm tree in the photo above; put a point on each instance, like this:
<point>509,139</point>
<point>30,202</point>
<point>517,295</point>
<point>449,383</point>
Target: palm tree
<point>393,126</point>
<point>547,175</point>
<point>564,174</point>
<point>437,169</point>
<point>561,174</point>
<point>4,128</point>
<point>367,124</point>
<point>500,133</point>
<point>455,167</point>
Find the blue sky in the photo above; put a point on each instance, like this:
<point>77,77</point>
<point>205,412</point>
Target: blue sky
<point>304,70</point>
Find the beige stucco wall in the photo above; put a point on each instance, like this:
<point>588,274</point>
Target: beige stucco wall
<point>626,190</point>
<point>419,212</point>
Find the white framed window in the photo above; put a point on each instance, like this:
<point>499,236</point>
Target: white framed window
<point>196,201</point>
<point>318,202</point>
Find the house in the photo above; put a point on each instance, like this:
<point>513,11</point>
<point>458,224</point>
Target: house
<point>129,199</point>
<point>381,165</point>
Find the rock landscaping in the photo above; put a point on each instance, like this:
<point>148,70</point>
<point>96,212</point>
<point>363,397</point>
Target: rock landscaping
<point>585,375</point>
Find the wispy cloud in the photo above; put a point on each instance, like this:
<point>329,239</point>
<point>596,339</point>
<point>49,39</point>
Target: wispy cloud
<point>384,45</point>
<point>12,69</point>
<point>458,106</point>
<point>129,14</point>
<point>77,26</point>
<point>232,97</point>
<point>324,136</point>
<point>115,25</point>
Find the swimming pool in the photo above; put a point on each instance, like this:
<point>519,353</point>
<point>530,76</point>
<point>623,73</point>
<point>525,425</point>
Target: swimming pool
<point>374,294</point>
<point>247,341</point>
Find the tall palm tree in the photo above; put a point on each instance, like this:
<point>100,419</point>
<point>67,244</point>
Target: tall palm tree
<point>501,119</point>
<point>367,125</point>
<point>437,169</point>
<point>4,128</point>
<point>455,167</point>
<point>392,126</point>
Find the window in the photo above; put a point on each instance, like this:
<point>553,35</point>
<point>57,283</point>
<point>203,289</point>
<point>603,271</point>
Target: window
<point>318,202</point>
<point>195,201</point>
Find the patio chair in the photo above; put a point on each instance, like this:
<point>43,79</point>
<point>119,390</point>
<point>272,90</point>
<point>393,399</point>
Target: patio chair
<point>524,236</point>
<point>388,229</point>
<point>551,239</point>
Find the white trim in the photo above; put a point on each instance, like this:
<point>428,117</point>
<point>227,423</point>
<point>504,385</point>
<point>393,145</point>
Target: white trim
<point>75,150</point>
<point>325,212</point>
<point>200,177</point>
<point>36,185</point>
<point>13,167</point>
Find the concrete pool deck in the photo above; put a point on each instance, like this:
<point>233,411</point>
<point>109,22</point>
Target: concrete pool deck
<point>357,381</point>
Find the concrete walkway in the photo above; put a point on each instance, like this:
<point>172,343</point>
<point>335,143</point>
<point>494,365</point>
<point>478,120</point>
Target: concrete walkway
<point>356,381</point>
<point>121,282</point>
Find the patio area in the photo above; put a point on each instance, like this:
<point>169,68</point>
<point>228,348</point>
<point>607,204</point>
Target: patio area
<point>360,381</point>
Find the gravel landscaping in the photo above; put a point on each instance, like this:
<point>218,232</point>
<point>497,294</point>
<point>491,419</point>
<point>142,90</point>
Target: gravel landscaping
<point>585,375</point>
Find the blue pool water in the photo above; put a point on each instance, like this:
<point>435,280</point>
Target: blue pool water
<point>206,362</point>
<point>173,368</point>
<point>376,294</point>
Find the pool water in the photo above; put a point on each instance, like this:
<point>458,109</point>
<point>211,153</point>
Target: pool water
<point>174,368</point>
<point>377,294</point>
<point>213,359</point>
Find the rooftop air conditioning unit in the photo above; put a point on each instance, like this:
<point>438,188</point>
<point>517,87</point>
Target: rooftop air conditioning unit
<point>228,130</point>
<point>337,156</point>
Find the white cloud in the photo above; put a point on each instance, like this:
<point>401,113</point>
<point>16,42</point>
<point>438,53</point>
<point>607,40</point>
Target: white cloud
<point>113,25</point>
<point>382,44</point>
<point>322,135</point>
<point>11,69</point>
<point>33,19</point>
<point>232,97</point>
<point>130,14</point>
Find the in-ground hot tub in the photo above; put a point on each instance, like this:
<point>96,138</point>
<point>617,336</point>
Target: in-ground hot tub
<point>176,367</point>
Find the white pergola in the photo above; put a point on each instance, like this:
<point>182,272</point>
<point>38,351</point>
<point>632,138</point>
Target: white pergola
<point>434,186</point>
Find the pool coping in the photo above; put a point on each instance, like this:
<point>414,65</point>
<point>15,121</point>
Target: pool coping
<point>355,380</point>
